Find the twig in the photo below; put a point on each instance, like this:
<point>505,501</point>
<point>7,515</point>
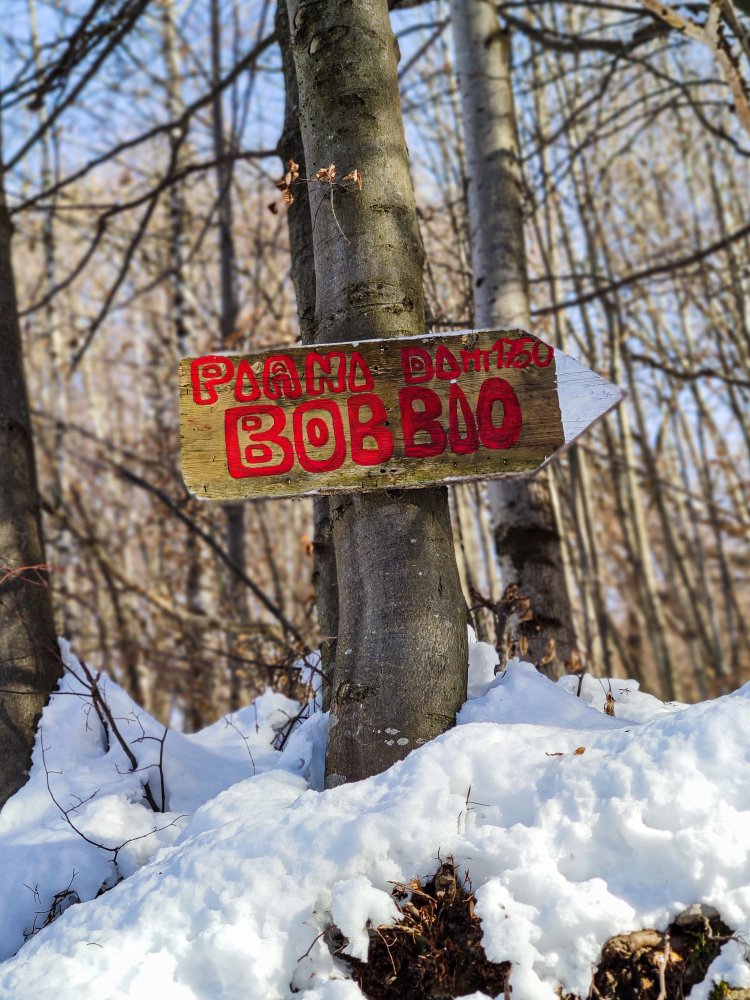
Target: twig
<point>161,740</point>
<point>229,721</point>
<point>38,568</point>
<point>286,731</point>
<point>104,710</point>
<point>316,938</point>
<point>65,813</point>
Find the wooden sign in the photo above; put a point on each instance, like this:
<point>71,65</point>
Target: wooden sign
<point>381,414</point>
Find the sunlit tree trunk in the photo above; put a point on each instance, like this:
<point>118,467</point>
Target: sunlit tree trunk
<point>303,276</point>
<point>526,529</point>
<point>400,672</point>
<point>29,659</point>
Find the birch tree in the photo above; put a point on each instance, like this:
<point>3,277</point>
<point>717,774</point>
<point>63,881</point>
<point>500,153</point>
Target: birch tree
<point>401,652</point>
<point>537,615</point>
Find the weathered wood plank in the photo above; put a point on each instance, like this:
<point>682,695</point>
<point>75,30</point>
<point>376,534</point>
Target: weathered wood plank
<point>379,414</point>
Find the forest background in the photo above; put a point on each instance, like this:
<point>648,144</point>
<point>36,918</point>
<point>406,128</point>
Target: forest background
<point>140,151</point>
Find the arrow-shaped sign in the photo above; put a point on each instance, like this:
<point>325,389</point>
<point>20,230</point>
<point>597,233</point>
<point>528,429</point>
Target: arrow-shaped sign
<point>381,414</point>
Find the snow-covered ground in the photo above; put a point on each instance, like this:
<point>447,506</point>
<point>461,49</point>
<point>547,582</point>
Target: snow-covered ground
<point>574,825</point>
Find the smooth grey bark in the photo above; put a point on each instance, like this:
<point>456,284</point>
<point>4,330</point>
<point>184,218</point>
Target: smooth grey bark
<point>29,659</point>
<point>401,655</point>
<point>290,147</point>
<point>527,535</point>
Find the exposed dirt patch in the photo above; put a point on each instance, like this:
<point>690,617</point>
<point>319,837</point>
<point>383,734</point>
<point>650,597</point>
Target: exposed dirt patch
<point>435,952</point>
<point>660,965</point>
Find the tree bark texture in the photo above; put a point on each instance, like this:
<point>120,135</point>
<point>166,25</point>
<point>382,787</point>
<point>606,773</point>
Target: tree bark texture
<point>234,513</point>
<point>29,660</point>
<point>400,672</point>
<point>291,147</point>
<point>526,529</point>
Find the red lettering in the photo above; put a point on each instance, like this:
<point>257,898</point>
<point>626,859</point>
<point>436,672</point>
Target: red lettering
<point>373,428</point>
<point>470,441</point>
<point>478,361</point>
<point>497,390</point>
<point>360,376</point>
<point>417,365</point>
<point>520,354</point>
<point>206,373</point>
<point>331,376</point>
<point>499,347</point>
<point>246,388</point>
<point>268,453</point>
<point>280,377</point>
<point>421,421</point>
<point>318,434</point>
<point>446,364</point>
<point>550,354</point>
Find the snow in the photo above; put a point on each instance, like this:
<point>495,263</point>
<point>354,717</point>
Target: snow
<point>574,826</point>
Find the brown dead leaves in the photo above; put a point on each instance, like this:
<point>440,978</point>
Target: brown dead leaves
<point>354,175</point>
<point>284,184</point>
<point>325,175</point>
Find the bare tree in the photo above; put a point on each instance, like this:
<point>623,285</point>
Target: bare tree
<point>29,659</point>
<point>303,275</point>
<point>536,615</point>
<point>400,673</point>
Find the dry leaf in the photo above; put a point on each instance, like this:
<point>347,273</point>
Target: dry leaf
<point>287,197</point>
<point>609,704</point>
<point>354,175</point>
<point>558,754</point>
<point>285,182</point>
<point>326,173</point>
<point>580,750</point>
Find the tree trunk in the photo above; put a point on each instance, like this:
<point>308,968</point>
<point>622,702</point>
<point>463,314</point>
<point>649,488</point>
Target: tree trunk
<point>234,513</point>
<point>303,276</point>
<point>200,678</point>
<point>29,659</point>
<point>526,530</point>
<point>400,673</point>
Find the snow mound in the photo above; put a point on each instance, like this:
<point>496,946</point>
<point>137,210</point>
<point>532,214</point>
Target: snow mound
<point>574,826</point>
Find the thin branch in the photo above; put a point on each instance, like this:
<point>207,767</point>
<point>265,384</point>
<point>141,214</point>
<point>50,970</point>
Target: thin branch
<point>178,126</point>
<point>654,270</point>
